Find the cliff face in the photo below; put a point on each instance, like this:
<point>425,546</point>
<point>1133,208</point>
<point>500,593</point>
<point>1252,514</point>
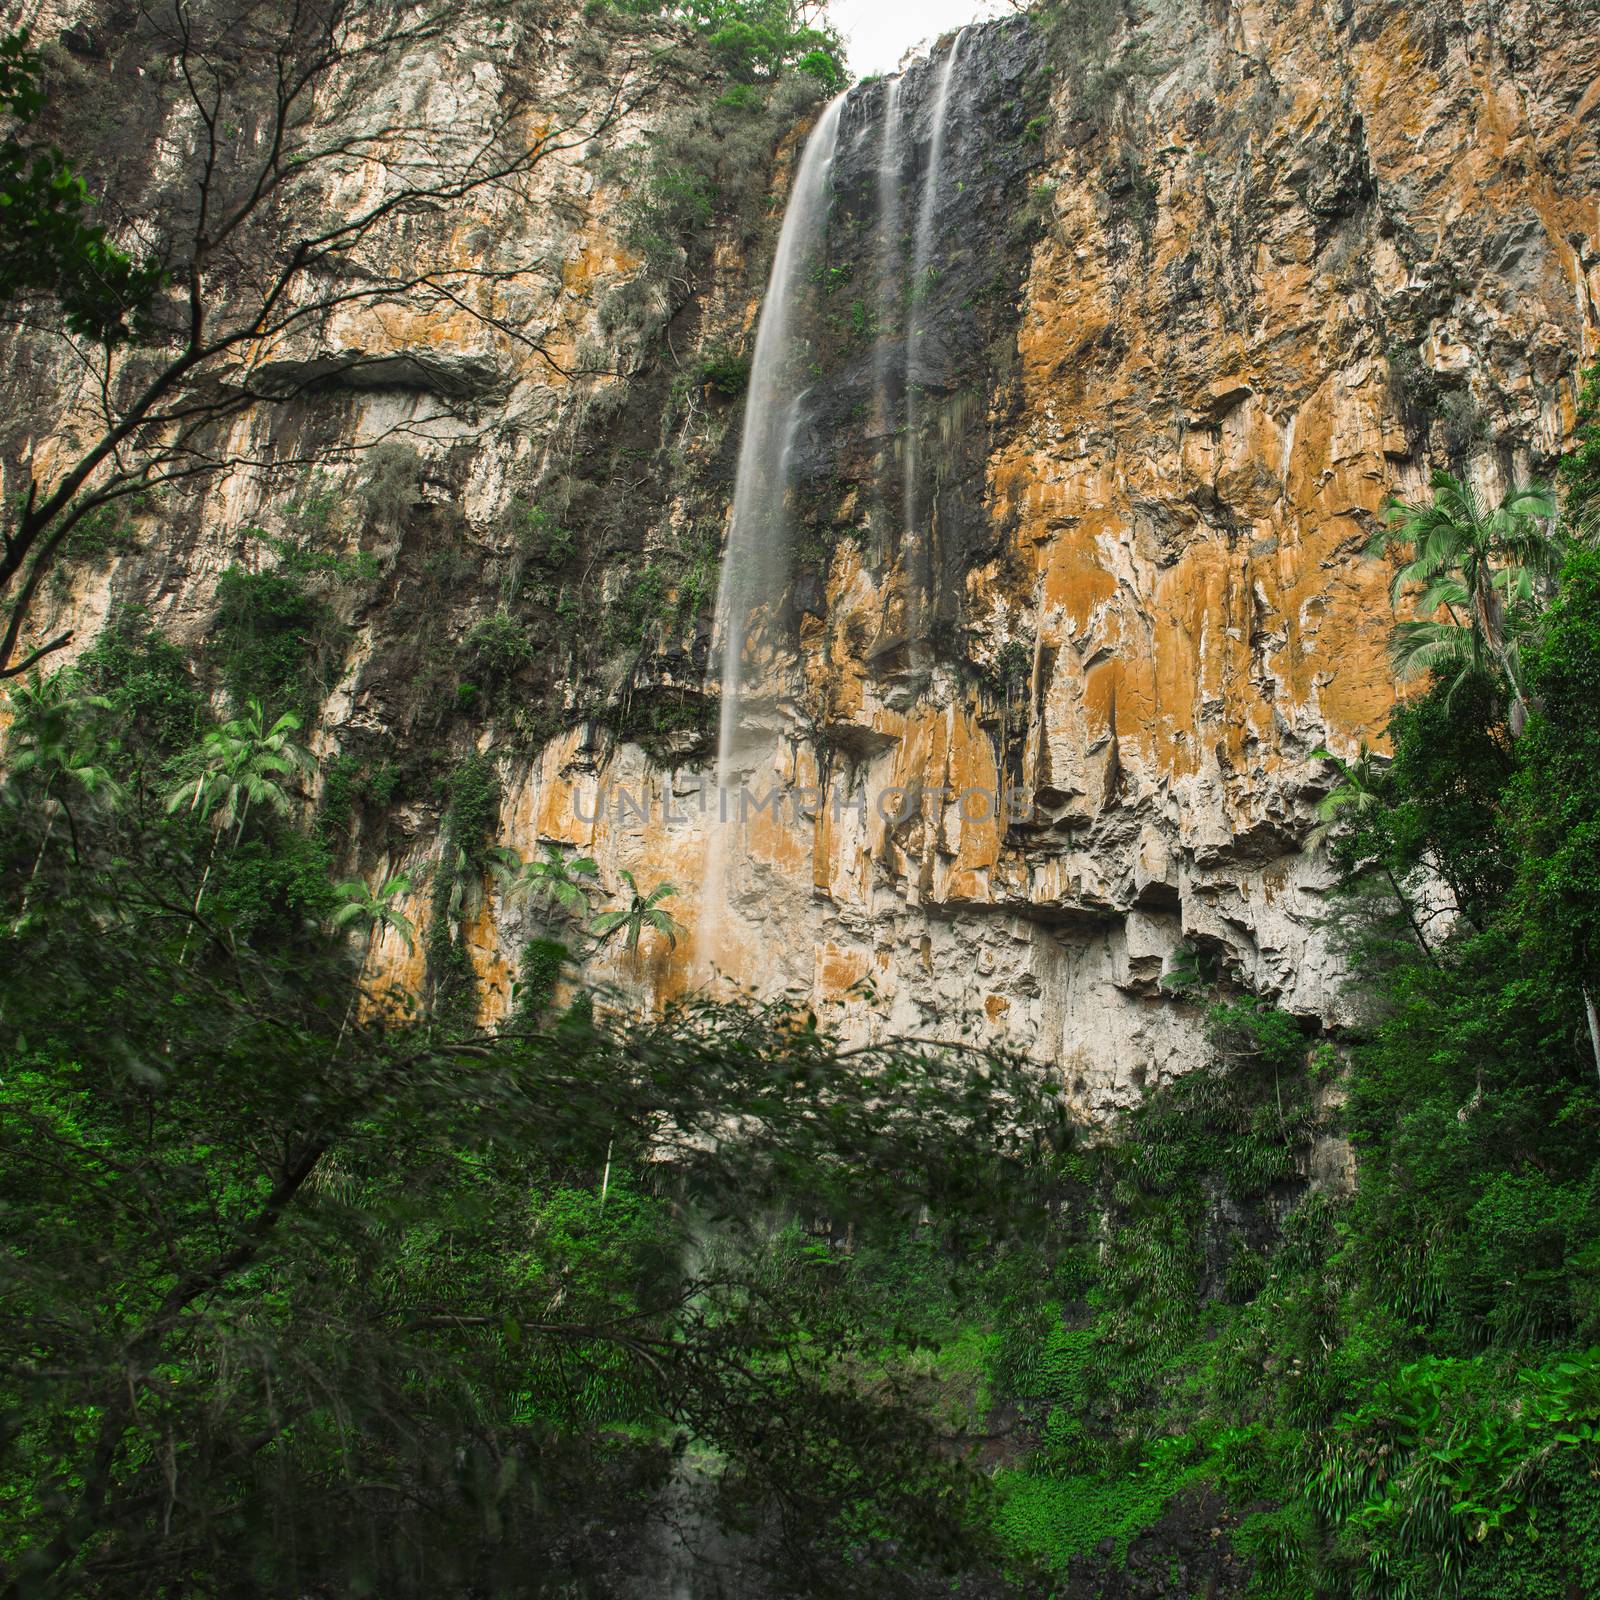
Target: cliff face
<point>1213,281</point>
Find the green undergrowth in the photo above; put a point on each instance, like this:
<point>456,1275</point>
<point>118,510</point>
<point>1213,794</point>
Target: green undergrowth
<point>1388,1391</point>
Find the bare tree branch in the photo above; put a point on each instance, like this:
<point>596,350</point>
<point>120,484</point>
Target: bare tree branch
<point>285,109</point>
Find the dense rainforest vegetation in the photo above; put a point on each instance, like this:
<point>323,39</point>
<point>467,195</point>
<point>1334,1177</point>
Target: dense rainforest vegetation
<point>314,1285</point>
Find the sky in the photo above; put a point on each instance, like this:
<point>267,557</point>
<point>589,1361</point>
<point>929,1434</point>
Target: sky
<point>879,32</point>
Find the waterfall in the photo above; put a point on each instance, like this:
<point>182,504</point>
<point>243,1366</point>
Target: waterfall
<point>809,374</point>
<point>917,543</point>
<point>756,563</point>
<point>891,267</point>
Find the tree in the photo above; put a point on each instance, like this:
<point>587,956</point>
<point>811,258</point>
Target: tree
<point>355,1319</point>
<point>1354,803</point>
<point>1480,568</point>
<point>755,40</point>
<point>1580,470</point>
<point>1558,791</point>
<point>563,886</point>
<point>47,247</point>
<point>643,911</point>
<point>1492,573</point>
<point>267,111</point>
<point>55,739</point>
<point>373,910</point>
<point>241,764</point>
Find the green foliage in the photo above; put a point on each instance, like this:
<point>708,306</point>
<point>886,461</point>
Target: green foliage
<point>358,1267</point>
<point>1487,570</point>
<point>674,198</point>
<point>266,636</point>
<point>754,41</point>
<point>349,784</point>
<point>700,167</point>
<point>252,761</point>
<point>540,971</point>
<point>416,1309</point>
<point>1395,1390</point>
<point>1055,1519</point>
<point>743,97</point>
<point>1448,1458</point>
<point>498,646</point>
<point>667,726</point>
<point>1557,809</point>
<point>643,911</point>
<point>145,680</point>
<point>726,371</point>
<point>1452,761</point>
<point>562,885</point>
<point>105,533</point>
<point>541,539</point>
<point>1580,471</point>
<point>268,889</point>
<point>357,905</point>
<point>47,244</point>
<point>1082,39</point>
<point>301,559</point>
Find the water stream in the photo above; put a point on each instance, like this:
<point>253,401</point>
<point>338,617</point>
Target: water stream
<point>895,138</point>
<point>917,560</point>
<point>756,563</point>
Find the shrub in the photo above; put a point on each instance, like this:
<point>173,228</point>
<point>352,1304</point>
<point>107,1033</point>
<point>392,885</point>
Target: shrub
<point>499,646</point>
<point>154,699</point>
<point>265,636</point>
<point>106,533</point>
<point>723,370</point>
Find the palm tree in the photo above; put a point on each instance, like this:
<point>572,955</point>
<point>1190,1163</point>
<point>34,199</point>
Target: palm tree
<point>1482,569</point>
<point>1355,798</point>
<point>375,910</point>
<point>241,764</point>
<point>1479,567</point>
<point>54,734</point>
<point>552,879</point>
<point>643,912</point>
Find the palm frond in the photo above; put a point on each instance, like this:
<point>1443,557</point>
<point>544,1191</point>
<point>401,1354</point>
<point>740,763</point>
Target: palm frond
<point>1422,647</point>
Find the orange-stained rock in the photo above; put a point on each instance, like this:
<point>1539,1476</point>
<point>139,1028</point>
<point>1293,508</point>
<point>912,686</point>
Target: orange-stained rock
<point>1211,397</point>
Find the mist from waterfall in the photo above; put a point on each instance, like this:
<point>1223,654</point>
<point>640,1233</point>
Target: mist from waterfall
<point>901,126</point>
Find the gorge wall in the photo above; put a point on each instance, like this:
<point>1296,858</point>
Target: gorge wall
<point>1078,484</point>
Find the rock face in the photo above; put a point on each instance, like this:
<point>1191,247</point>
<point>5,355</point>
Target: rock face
<point>1215,279</point>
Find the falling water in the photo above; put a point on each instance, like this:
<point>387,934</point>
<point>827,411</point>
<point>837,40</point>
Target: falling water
<point>891,262</point>
<point>918,541</point>
<point>756,566</point>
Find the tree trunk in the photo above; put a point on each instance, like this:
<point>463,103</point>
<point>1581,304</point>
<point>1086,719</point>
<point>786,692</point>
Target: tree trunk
<point>1411,916</point>
<point>361,973</point>
<point>1492,614</point>
<point>38,860</point>
<point>1594,1026</point>
<point>200,894</point>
